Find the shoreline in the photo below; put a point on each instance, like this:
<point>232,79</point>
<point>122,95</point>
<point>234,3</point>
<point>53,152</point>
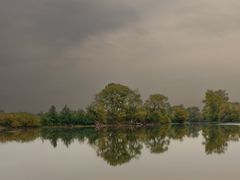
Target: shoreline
<point>119,125</point>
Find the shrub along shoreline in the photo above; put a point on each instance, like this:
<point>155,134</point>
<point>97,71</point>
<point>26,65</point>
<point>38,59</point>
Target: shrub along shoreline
<point>118,105</point>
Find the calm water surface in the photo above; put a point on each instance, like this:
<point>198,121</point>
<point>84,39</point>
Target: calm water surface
<point>177,152</point>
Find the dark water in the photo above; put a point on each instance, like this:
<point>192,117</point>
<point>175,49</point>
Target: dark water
<point>176,152</point>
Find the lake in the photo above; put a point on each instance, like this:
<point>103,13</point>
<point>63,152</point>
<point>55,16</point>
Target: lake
<point>174,152</point>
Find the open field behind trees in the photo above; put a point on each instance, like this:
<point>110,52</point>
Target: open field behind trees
<point>118,104</point>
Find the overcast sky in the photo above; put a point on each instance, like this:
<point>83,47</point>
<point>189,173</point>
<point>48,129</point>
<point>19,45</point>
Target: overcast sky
<point>65,51</point>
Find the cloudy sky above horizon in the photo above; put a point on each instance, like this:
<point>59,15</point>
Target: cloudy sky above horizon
<point>65,51</point>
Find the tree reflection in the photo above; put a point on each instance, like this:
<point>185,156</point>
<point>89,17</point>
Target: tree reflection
<point>22,136</point>
<point>118,146</point>
<point>217,137</point>
<point>67,135</point>
<point>157,139</point>
<point>121,145</point>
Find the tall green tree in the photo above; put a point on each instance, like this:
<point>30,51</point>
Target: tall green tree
<point>214,100</point>
<point>195,114</point>
<point>119,102</point>
<point>229,112</point>
<point>158,108</point>
<point>179,114</point>
<point>65,116</point>
<point>51,117</point>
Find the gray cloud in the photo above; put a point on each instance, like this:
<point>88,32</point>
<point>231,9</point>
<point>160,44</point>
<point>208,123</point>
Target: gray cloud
<point>63,52</point>
<point>33,29</point>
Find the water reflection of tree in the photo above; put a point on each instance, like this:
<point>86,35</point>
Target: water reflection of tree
<point>22,136</point>
<point>157,140</point>
<point>217,137</point>
<point>119,146</point>
<point>66,135</point>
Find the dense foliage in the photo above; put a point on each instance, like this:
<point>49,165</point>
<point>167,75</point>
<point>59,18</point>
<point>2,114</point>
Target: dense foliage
<point>218,108</point>
<point>66,117</point>
<point>157,108</point>
<point>19,120</point>
<point>194,114</point>
<point>179,114</point>
<point>118,104</point>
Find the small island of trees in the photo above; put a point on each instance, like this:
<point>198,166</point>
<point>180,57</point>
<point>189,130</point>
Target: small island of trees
<point>117,104</point>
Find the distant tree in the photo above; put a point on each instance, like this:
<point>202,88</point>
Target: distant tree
<point>80,117</point>
<point>179,114</point>
<point>65,116</point>
<point>119,102</point>
<point>158,108</point>
<point>194,114</point>
<point>214,100</point>
<point>229,112</point>
<point>51,117</point>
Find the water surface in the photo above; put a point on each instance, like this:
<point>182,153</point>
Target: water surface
<point>176,152</point>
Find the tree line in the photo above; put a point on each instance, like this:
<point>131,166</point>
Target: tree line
<point>118,104</point>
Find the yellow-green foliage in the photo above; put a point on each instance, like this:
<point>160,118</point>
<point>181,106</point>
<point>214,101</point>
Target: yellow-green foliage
<point>17,120</point>
<point>19,135</point>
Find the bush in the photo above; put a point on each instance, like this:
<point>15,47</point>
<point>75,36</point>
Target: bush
<point>18,120</point>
